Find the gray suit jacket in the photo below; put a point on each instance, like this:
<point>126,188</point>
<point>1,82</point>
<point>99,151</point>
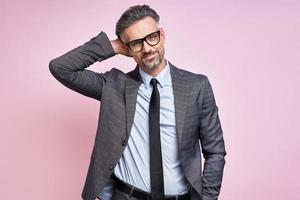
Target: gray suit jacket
<point>195,110</point>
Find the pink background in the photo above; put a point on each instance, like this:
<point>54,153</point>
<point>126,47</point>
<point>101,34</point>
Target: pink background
<point>248,49</point>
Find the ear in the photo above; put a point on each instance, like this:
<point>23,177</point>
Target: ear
<point>128,52</point>
<point>162,33</point>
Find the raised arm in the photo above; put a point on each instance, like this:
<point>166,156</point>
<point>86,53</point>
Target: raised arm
<point>69,69</point>
<point>213,146</point>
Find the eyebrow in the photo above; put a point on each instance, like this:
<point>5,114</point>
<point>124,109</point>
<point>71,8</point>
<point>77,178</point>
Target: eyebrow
<point>143,37</point>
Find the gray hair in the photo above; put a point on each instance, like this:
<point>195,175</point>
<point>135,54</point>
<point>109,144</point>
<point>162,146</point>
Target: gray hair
<point>132,15</point>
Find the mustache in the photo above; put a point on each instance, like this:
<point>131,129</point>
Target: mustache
<point>148,53</point>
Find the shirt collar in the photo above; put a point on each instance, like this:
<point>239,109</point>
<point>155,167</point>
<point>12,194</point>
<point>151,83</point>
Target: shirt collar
<point>164,77</point>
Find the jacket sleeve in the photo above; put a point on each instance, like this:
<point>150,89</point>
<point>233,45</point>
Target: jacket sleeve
<point>213,147</point>
<point>69,69</point>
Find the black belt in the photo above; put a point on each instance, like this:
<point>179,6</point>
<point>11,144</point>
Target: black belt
<point>140,194</point>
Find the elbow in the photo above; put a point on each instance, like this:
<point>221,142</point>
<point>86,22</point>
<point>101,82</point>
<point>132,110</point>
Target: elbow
<point>55,70</point>
<point>53,67</point>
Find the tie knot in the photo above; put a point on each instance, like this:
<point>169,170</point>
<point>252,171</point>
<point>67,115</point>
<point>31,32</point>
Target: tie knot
<point>153,82</point>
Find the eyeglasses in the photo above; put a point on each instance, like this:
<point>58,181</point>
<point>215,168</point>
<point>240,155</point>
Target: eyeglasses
<point>137,45</point>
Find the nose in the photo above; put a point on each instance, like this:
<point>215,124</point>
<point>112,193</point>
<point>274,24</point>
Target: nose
<point>146,47</point>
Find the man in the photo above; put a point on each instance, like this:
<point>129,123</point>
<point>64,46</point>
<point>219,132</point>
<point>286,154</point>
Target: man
<point>151,119</point>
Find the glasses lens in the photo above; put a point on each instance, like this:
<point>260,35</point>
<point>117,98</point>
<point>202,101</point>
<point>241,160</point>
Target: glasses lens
<point>136,45</point>
<point>153,39</point>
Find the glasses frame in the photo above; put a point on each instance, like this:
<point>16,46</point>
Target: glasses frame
<point>142,40</point>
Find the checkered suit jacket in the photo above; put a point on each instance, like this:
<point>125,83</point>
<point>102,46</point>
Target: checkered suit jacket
<point>197,122</point>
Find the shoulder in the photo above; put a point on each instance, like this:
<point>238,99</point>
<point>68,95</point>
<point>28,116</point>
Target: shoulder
<point>191,77</point>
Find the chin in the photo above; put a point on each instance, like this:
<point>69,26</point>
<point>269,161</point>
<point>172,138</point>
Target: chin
<point>153,65</point>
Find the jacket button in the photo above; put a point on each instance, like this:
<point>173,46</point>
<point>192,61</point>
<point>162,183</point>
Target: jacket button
<point>123,143</point>
<point>111,167</point>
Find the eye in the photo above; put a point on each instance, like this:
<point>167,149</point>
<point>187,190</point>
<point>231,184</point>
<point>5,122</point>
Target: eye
<point>153,36</point>
<point>135,43</point>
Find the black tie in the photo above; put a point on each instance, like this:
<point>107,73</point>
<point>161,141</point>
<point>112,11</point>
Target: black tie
<point>156,169</point>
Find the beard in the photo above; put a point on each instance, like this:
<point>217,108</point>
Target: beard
<point>151,65</point>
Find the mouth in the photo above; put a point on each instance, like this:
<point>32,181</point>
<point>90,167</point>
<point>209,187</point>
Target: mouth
<point>149,57</point>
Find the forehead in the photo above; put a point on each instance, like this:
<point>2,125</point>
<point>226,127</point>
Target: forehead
<point>140,29</point>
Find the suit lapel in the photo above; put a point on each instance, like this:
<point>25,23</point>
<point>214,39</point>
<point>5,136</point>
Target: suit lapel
<point>181,91</point>
<point>131,90</point>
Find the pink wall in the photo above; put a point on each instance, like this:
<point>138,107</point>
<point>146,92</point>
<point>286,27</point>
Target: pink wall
<point>248,49</point>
